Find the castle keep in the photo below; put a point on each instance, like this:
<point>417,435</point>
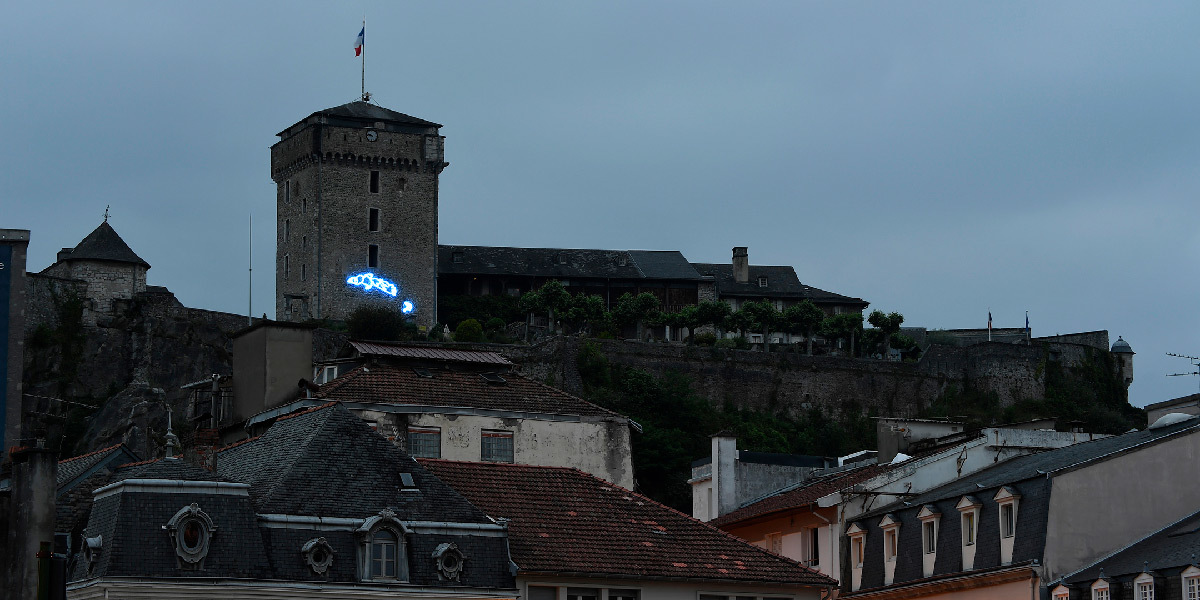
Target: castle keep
<point>357,193</point>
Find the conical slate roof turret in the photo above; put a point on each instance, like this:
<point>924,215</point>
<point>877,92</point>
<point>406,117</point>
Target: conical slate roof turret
<point>1121,346</point>
<point>103,243</point>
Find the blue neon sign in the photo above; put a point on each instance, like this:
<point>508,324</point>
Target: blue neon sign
<point>407,307</point>
<point>368,282</point>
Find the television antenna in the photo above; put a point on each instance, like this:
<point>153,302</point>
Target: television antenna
<point>1194,360</point>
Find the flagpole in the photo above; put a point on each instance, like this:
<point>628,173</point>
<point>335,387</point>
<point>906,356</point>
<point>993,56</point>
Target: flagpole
<point>364,61</point>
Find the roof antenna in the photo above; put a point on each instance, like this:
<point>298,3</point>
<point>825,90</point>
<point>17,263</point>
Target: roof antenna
<point>1195,360</point>
<point>106,207</point>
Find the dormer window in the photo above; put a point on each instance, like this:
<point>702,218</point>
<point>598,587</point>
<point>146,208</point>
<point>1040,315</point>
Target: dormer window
<point>1060,593</point>
<point>1191,583</point>
<point>930,518</point>
<point>1143,587</point>
<point>1007,499</point>
<point>456,257</point>
<point>383,552</point>
<point>968,508</point>
<point>891,546</point>
<point>762,282</point>
<point>858,546</point>
<point>1100,590</point>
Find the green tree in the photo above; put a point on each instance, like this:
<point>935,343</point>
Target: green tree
<point>586,313</point>
<point>887,324</point>
<point>763,317</point>
<point>713,312</point>
<point>552,298</point>
<point>469,330</point>
<point>378,322</point>
<point>689,317</point>
<point>803,318</point>
<point>739,321</point>
<point>633,310</point>
<point>845,326</point>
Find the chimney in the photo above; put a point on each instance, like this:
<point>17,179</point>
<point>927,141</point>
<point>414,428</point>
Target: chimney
<point>741,265</point>
<point>724,473</point>
<point>64,254</point>
<point>31,522</point>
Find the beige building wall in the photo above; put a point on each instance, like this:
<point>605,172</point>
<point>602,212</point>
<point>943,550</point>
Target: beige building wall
<point>597,446</point>
<point>1131,494</point>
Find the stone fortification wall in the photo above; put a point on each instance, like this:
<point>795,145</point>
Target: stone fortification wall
<point>792,383</point>
<point>42,291</point>
<point>107,281</point>
<point>1095,339</point>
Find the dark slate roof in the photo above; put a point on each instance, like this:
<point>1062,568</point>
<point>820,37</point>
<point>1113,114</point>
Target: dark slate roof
<point>782,282</point>
<point>800,495</point>
<point>175,469</point>
<point>326,462</point>
<point>75,468</point>
<point>565,263</point>
<point>103,243</point>
<point>566,522</point>
<point>1038,465</point>
<point>398,384</point>
<point>1172,547</point>
<point>366,111</point>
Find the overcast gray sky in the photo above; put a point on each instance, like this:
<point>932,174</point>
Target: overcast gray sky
<point>935,159</point>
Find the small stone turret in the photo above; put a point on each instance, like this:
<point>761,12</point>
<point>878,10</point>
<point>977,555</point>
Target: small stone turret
<point>1123,354</point>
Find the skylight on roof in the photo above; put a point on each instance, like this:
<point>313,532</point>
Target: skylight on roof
<point>493,378</point>
<point>423,373</point>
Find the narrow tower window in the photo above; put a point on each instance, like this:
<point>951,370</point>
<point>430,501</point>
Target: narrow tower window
<point>287,230</point>
<point>374,182</point>
<point>304,272</point>
<point>373,256</point>
<point>287,191</point>
<point>286,265</point>
<point>373,220</point>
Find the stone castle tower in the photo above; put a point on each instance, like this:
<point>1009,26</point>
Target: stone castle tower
<point>357,198</point>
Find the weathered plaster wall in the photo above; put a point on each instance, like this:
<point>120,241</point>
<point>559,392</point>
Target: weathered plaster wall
<point>1095,510</point>
<point>599,447</point>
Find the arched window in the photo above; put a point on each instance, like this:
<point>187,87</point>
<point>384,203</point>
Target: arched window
<point>383,554</point>
<point>383,550</point>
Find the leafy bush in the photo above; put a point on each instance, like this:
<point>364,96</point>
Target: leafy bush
<point>453,309</point>
<point>469,330</point>
<point>379,322</point>
<point>706,339</point>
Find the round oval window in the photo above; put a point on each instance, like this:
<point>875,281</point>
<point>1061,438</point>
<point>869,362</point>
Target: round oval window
<point>450,560</point>
<point>319,556</point>
<point>193,531</point>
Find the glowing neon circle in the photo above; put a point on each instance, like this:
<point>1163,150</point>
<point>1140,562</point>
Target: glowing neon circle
<point>368,282</point>
<point>407,307</point>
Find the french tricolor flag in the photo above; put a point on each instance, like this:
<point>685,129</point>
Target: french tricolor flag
<point>358,42</point>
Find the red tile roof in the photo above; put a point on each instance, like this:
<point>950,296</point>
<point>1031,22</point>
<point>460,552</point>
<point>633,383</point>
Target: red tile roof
<point>422,352</point>
<point>800,496</point>
<point>396,384</point>
<point>568,523</point>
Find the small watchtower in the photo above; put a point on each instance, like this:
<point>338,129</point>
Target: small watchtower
<point>357,198</point>
<point>1123,353</point>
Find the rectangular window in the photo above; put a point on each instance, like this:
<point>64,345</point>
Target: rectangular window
<point>542,593</point>
<point>287,191</point>
<point>890,540</point>
<point>1007,521</point>
<point>857,551</point>
<point>287,262</point>
<point>1191,587</point>
<point>623,595</point>
<point>373,256</point>
<point>968,528</point>
<point>574,593</point>
<point>303,272</point>
<point>774,542</point>
<point>1100,594</point>
<point>373,220</point>
<point>425,442</point>
<point>929,535</point>
<point>496,446</point>
<point>287,229</point>
<point>762,282</point>
<point>304,242</point>
<point>374,182</point>
<point>814,546</point>
<point>1145,591</point>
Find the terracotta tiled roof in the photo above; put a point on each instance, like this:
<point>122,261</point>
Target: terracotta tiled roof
<point>800,496</point>
<point>422,352</point>
<point>395,384</point>
<point>568,523</point>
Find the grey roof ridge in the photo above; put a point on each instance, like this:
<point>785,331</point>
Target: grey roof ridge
<point>637,266</point>
<point>100,463</point>
<point>1120,550</point>
<point>1106,456</point>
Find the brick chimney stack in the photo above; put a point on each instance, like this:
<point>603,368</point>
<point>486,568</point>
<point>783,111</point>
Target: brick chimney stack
<point>741,265</point>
